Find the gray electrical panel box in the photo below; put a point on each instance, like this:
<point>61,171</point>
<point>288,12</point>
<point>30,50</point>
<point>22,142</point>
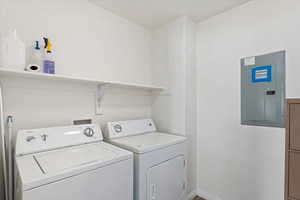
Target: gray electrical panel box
<point>263,90</point>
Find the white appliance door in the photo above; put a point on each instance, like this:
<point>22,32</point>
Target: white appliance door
<point>166,181</point>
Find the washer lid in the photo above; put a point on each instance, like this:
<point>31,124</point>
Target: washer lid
<point>56,161</point>
<point>47,167</point>
<point>147,142</point>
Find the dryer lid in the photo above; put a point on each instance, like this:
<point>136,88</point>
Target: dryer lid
<point>147,142</point>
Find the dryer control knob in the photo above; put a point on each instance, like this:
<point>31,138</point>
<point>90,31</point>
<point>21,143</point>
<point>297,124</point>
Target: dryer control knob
<point>118,128</point>
<point>89,132</point>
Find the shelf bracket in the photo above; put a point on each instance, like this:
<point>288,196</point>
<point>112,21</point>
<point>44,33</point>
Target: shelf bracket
<point>100,91</point>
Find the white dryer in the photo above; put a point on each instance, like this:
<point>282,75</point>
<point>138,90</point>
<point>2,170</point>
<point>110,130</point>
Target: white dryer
<point>159,158</point>
<point>72,162</point>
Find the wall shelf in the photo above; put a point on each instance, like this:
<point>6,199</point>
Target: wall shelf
<point>56,77</point>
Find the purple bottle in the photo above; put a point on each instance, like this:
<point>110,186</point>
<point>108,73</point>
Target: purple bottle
<point>48,63</point>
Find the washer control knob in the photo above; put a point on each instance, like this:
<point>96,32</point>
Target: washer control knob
<point>44,137</point>
<point>30,138</point>
<point>89,132</point>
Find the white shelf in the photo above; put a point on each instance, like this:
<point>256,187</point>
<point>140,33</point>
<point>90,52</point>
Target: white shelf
<point>34,75</point>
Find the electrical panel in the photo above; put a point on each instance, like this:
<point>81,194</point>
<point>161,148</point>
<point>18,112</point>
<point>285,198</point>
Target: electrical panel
<point>263,90</point>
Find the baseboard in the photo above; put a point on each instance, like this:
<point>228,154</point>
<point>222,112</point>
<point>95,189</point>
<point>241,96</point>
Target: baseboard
<point>206,195</point>
<point>192,195</point>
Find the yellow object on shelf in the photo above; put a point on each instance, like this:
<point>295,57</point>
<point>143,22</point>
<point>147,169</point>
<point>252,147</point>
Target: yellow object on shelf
<point>49,46</point>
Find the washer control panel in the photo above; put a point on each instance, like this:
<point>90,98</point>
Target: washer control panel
<point>37,140</point>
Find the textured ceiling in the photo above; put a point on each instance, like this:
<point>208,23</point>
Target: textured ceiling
<point>153,13</point>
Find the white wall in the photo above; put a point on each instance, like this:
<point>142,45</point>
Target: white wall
<point>191,109</point>
<point>174,68</point>
<point>169,71</point>
<point>240,162</point>
<point>88,42</point>
<point>35,103</point>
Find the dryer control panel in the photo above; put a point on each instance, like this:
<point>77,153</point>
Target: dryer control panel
<point>127,128</point>
<point>38,140</point>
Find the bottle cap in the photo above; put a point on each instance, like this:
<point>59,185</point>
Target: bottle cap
<point>37,46</point>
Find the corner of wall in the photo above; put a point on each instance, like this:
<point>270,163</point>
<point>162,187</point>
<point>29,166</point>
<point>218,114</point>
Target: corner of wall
<point>207,195</point>
<point>174,65</point>
<point>192,195</point>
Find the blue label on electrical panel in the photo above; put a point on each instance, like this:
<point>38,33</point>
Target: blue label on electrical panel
<point>262,74</point>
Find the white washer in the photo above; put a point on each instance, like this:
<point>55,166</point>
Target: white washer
<point>159,158</point>
<point>71,163</point>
